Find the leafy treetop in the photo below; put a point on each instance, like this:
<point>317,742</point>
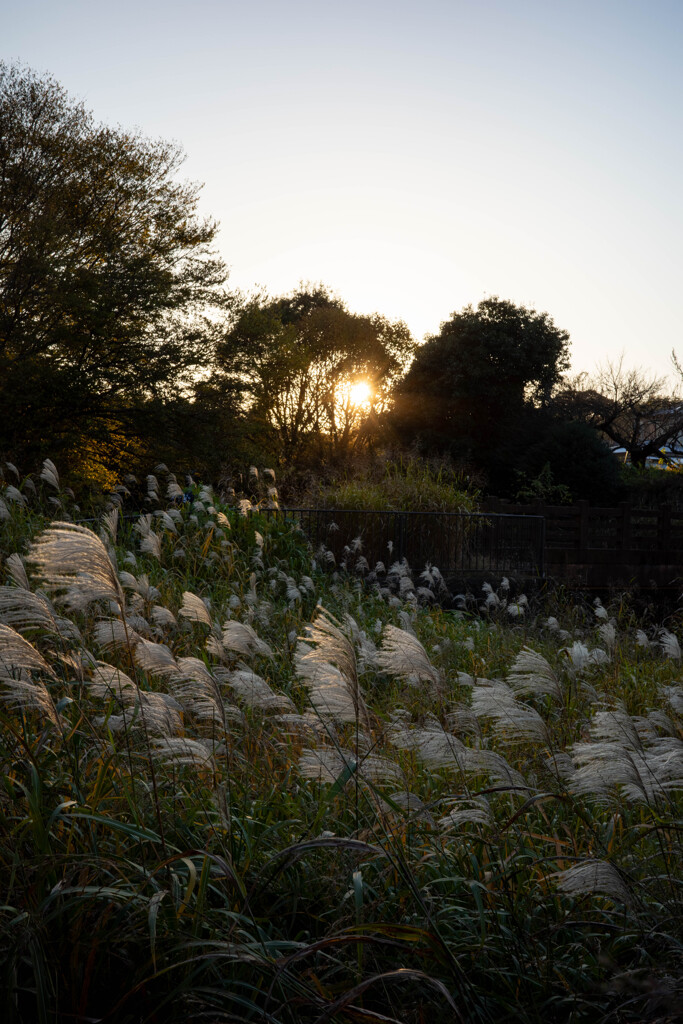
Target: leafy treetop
<point>107,276</point>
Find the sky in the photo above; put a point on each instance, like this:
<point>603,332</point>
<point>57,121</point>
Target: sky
<point>414,157</point>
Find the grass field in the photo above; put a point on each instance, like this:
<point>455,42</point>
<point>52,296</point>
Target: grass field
<point>239,783</point>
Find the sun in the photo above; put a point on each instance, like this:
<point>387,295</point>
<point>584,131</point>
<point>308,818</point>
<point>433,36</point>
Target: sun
<point>360,393</point>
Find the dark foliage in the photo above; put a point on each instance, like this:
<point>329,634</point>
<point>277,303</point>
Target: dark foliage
<point>576,460</point>
<point>289,363</point>
<point>106,274</point>
<point>470,388</point>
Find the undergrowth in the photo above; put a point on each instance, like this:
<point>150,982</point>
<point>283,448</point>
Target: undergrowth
<point>239,783</point>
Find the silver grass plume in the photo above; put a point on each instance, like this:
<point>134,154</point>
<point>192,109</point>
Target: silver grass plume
<point>71,558</point>
<point>326,764</point>
<point>299,726</point>
<point>670,645</point>
<point>183,751</point>
<point>152,712</point>
<point>411,803</point>
<point>4,511</point>
<point>406,621</point>
<point>155,659</point>
<point>30,696</point>
<point>657,721</point>
<point>513,721</point>
<point>531,674</point>
<point>197,691</point>
<point>431,743</point>
<point>327,664</point>
<point>673,695</point>
<point>115,635</point>
<point>140,585</point>
<point>494,765</point>
<point>108,681</point>
<point>474,812</point>
<point>13,494</point>
<point>194,609</point>
<point>608,634</point>
<point>110,525</point>
<point>627,757</point>
<point>49,474</point>
<point>381,770</point>
<point>594,877</point>
<point>166,520</point>
<point>517,609</point>
<point>163,617</point>
<point>553,625</point>
<point>581,658</point>
<point>561,766</point>
<point>18,655</point>
<point>150,542</point>
<point>462,719</point>
<point>138,623</point>
<point>24,610</point>
<point>254,691</point>
<point>331,645</point>
<point>328,688</point>
<point>403,655</point>
<point>440,749</point>
<point>240,638</point>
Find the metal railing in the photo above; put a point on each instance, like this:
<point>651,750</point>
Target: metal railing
<point>458,543</point>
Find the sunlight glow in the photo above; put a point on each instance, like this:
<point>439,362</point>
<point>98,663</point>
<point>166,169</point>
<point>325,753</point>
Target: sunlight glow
<point>360,393</point>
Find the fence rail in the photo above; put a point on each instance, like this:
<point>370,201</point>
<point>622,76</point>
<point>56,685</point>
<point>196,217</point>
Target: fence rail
<point>459,544</point>
<point>578,544</point>
<point>609,546</point>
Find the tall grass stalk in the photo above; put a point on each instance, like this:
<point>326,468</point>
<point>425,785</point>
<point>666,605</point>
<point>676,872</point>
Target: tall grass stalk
<point>236,805</point>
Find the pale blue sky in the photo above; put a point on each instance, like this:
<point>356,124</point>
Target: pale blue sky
<point>414,157</point>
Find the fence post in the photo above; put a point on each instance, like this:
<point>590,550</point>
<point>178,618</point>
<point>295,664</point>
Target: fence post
<point>625,525</point>
<point>664,528</point>
<point>584,514</point>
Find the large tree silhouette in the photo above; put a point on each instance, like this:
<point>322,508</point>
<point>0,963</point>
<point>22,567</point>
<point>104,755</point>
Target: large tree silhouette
<point>107,277</point>
<point>472,387</point>
<point>290,363</point>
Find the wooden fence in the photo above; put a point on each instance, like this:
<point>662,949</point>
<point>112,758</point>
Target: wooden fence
<point>604,547</point>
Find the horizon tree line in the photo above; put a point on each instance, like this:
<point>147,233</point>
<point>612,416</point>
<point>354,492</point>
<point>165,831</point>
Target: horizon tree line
<point>120,341</point>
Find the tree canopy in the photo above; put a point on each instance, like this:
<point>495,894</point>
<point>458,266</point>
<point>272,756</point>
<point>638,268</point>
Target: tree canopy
<point>635,410</point>
<point>108,283</point>
<point>291,363</point>
<point>469,386</point>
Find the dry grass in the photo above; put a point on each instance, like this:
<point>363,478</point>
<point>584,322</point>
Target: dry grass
<point>220,800</point>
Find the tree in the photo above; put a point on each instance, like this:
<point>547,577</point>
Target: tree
<point>108,284</point>
<point>292,363</point>
<point>633,408</point>
<point>471,387</point>
<point>568,456</point>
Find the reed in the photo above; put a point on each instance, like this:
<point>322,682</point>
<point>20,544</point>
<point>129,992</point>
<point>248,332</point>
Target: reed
<point>239,785</point>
